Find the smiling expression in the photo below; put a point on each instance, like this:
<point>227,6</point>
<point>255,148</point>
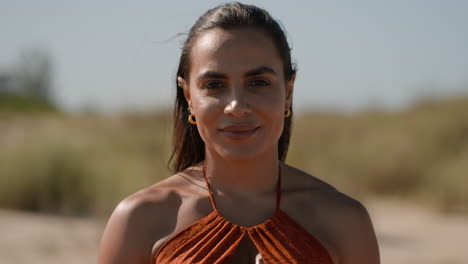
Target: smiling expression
<point>237,91</point>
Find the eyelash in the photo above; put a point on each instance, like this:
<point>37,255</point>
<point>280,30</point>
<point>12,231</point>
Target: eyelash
<point>262,82</point>
<point>217,84</point>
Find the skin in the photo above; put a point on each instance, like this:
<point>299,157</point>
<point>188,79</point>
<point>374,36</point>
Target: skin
<point>238,93</point>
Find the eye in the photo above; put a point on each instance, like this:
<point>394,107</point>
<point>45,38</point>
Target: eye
<point>213,85</point>
<point>259,82</point>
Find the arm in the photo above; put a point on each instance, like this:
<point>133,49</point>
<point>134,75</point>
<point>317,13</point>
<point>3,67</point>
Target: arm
<point>354,233</point>
<point>126,238</point>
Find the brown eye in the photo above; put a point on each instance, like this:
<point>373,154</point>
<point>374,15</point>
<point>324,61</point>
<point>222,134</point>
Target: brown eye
<point>259,82</point>
<point>213,85</point>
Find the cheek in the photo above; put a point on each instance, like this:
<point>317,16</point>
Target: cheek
<point>271,113</point>
<point>272,105</point>
<point>204,106</point>
<point>274,109</point>
<point>199,101</point>
<point>206,111</point>
<point>278,126</point>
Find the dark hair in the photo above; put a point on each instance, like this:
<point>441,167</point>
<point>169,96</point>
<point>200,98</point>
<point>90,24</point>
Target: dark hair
<point>188,146</point>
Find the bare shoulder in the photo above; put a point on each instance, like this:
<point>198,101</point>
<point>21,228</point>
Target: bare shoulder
<point>298,180</point>
<point>350,227</point>
<point>340,220</point>
<point>138,221</point>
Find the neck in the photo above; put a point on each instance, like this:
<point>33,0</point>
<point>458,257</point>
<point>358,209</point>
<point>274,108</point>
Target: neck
<point>243,177</point>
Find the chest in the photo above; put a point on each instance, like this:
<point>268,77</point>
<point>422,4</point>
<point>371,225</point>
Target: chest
<point>202,236</point>
<point>247,253</point>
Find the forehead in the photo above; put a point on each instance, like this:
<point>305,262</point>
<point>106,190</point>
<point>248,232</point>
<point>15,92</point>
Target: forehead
<point>233,51</point>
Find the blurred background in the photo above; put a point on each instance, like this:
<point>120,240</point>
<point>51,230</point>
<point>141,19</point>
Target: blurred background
<point>87,88</point>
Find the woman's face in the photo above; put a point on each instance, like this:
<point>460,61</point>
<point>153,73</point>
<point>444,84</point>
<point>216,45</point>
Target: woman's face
<point>237,92</point>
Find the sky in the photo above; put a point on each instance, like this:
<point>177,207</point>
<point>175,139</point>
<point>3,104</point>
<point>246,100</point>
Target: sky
<point>351,55</point>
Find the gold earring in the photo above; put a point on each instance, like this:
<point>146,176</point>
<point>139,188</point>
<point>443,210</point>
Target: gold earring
<point>288,113</point>
<point>191,119</point>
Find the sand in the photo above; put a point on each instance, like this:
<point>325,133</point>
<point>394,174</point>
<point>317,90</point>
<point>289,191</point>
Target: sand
<point>414,234</point>
<point>407,234</point>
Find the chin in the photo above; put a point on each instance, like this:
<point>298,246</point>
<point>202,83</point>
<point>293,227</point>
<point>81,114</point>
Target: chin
<point>245,153</point>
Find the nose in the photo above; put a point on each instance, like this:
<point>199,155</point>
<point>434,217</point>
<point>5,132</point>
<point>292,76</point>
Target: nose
<point>237,104</point>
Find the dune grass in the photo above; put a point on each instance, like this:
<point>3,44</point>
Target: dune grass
<point>421,153</point>
<point>25,104</point>
<point>79,165</point>
<point>85,164</point>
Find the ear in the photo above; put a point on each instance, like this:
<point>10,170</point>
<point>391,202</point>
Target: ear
<point>289,91</point>
<point>183,84</point>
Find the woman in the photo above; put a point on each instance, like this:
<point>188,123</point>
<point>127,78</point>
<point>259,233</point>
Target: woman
<point>233,199</point>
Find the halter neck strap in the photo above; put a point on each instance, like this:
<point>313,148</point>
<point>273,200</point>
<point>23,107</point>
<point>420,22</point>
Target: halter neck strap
<point>213,202</point>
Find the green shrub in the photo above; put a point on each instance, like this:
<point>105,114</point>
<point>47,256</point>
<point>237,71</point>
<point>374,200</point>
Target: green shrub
<point>86,164</point>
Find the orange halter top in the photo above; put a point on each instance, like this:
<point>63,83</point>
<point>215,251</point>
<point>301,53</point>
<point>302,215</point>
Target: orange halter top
<point>214,240</point>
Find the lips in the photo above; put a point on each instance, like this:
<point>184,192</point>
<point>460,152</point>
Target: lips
<point>239,131</point>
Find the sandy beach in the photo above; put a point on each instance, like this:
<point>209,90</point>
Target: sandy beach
<point>407,234</point>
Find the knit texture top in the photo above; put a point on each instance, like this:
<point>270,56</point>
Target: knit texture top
<point>214,240</point>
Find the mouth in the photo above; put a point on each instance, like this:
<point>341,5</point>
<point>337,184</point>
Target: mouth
<point>239,131</point>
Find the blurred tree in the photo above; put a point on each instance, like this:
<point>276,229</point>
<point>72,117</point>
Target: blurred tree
<point>28,86</point>
<point>5,83</point>
<point>34,75</point>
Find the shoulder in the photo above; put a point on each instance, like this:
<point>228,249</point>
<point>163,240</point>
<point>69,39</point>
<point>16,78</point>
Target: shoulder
<point>341,222</point>
<point>138,221</point>
<point>350,228</point>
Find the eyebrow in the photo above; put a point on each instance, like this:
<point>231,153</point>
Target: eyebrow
<point>260,70</point>
<point>211,75</point>
<point>257,71</point>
